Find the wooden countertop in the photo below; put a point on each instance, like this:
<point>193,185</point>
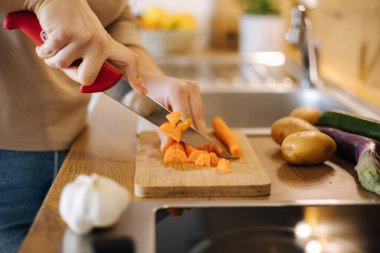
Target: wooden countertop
<point>108,147</point>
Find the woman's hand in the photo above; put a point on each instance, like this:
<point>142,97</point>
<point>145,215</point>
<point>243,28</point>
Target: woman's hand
<point>74,32</point>
<point>177,95</point>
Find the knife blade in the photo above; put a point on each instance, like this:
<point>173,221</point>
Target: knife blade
<point>108,82</point>
<point>151,110</point>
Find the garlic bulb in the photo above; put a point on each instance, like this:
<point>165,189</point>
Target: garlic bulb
<point>92,201</point>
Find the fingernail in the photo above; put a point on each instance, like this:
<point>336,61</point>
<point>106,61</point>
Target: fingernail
<point>142,88</point>
<point>138,80</point>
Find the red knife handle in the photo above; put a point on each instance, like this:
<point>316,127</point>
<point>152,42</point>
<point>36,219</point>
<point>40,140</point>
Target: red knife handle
<point>28,23</point>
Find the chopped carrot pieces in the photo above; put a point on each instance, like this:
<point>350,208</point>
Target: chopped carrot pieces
<point>224,165</point>
<point>192,157</point>
<point>203,159</point>
<point>214,159</point>
<point>169,156</point>
<point>176,135</point>
<point>226,135</point>
<point>167,127</point>
<point>181,155</point>
<point>175,153</point>
<point>174,117</point>
<point>188,149</point>
<point>183,126</point>
<point>167,144</point>
<point>171,130</point>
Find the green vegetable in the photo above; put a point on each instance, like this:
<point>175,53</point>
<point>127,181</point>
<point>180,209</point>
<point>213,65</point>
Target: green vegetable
<point>260,6</point>
<point>362,150</point>
<point>350,122</point>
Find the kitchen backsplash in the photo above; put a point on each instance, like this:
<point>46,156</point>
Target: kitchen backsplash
<point>347,31</point>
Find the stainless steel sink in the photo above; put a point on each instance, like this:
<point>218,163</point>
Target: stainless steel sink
<point>261,109</point>
<point>251,94</point>
<point>254,111</point>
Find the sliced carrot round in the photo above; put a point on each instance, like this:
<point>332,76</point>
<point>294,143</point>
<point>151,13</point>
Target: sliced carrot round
<point>174,117</point>
<point>224,166</point>
<point>183,126</point>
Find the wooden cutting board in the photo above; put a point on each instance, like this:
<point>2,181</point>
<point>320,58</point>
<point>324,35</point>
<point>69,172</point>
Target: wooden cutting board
<point>153,178</point>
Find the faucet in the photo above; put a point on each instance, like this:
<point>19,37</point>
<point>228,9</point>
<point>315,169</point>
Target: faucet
<point>300,34</point>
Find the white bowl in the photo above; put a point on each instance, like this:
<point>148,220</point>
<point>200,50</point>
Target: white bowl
<point>168,41</point>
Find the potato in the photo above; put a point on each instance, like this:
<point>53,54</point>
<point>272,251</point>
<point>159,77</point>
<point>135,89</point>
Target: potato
<point>288,125</point>
<point>308,148</point>
<point>307,113</point>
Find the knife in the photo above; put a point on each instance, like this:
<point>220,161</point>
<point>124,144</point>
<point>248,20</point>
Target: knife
<point>107,82</point>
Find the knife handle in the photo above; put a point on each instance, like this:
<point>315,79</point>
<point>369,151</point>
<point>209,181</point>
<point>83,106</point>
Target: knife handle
<point>28,23</point>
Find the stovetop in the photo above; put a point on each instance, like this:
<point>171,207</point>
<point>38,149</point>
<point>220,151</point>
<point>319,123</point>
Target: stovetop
<point>309,229</point>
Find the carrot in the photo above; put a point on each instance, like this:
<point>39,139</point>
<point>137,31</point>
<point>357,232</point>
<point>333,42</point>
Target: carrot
<point>214,159</point>
<point>175,153</point>
<point>176,135</point>
<point>224,166</point>
<point>188,149</point>
<point>203,159</point>
<point>174,129</point>
<point>171,130</point>
<point>167,127</point>
<point>183,126</point>
<point>192,157</point>
<point>180,152</point>
<point>174,117</point>
<point>169,154</point>
<point>168,144</point>
<point>226,135</point>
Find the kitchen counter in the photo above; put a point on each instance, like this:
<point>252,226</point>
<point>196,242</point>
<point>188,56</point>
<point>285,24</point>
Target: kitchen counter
<point>108,147</point>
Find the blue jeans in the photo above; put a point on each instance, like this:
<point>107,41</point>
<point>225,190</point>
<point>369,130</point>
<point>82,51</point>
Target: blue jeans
<point>25,178</point>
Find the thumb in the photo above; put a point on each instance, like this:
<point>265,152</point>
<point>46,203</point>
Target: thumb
<point>166,141</point>
<point>127,61</point>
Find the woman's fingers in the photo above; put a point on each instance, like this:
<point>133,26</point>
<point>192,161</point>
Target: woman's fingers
<point>72,73</point>
<point>178,95</point>
<point>52,46</point>
<point>196,106</point>
<point>65,57</point>
<point>127,61</point>
<point>186,98</point>
<point>89,69</point>
<point>179,99</point>
<point>74,32</point>
<point>165,140</point>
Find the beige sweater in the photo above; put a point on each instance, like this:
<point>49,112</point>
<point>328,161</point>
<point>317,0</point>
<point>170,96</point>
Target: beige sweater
<point>40,107</point>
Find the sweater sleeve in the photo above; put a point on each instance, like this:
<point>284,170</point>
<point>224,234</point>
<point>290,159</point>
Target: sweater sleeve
<point>15,5</point>
<point>124,29</point>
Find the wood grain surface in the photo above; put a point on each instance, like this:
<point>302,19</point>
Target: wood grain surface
<point>153,178</point>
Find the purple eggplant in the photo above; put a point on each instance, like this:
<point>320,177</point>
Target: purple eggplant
<point>365,152</point>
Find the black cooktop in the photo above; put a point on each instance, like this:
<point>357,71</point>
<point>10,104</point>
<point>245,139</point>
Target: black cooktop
<point>284,229</point>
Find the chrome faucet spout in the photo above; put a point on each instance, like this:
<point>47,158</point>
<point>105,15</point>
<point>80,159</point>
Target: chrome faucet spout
<point>300,34</point>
